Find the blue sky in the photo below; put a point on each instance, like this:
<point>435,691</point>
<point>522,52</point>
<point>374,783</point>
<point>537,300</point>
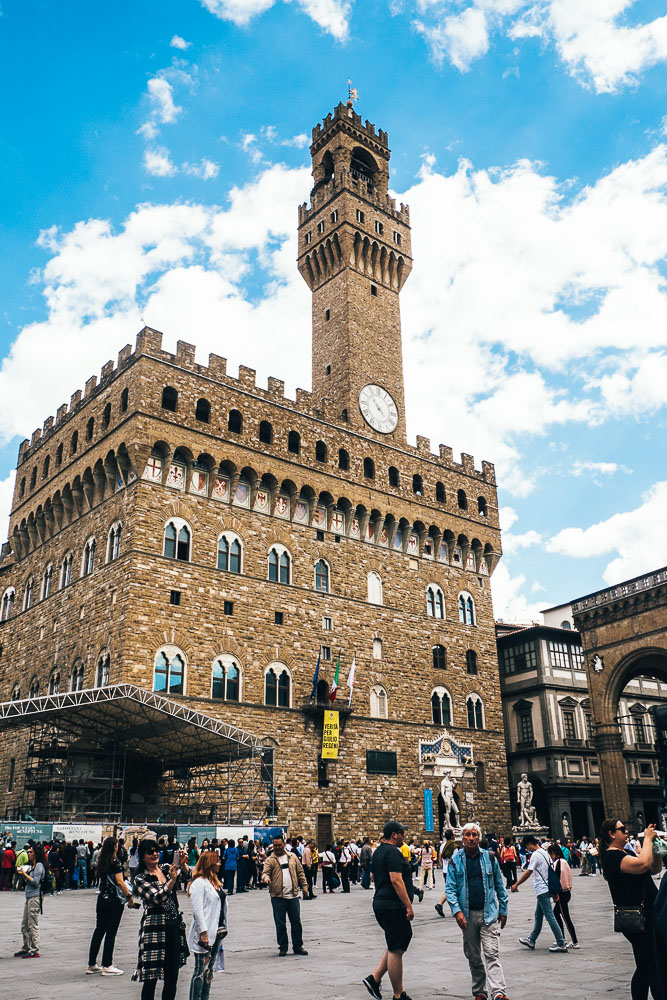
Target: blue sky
<point>153,155</point>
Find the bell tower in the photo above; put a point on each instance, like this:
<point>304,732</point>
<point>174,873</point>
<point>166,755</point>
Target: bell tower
<point>355,256</point>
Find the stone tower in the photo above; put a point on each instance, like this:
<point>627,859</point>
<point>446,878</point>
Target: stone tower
<point>355,255</point>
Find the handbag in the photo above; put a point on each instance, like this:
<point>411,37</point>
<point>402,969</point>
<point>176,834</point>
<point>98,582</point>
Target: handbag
<point>335,881</point>
<point>630,919</point>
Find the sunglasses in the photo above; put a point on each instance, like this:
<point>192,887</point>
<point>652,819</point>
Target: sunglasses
<point>621,828</point>
<point>152,850</point>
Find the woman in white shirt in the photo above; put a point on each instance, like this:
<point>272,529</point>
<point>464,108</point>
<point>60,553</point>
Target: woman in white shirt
<point>209,922</point>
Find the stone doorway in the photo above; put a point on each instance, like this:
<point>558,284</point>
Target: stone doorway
<point>324,830</point>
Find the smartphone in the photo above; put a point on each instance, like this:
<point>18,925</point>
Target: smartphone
<point>177,859</point>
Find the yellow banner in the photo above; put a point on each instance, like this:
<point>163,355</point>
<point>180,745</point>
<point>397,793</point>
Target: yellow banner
<point>330,733</point>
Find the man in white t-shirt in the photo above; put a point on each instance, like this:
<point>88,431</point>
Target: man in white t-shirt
<point>538,869</point>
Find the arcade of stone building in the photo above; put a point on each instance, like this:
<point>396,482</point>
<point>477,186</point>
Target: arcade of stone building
<point>179,531</point>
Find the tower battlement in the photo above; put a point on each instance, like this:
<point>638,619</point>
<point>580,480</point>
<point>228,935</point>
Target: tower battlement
<point>348,116</point>
<point>321,195</point>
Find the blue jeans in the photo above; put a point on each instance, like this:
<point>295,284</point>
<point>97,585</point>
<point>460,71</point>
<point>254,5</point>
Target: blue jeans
<point>200,984</point>
<point>283,908</point>
<point>544,911</point>
<point>83,873</point>
<point>365,878</point>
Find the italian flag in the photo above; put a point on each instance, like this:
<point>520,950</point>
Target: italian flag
<point>334,685</point>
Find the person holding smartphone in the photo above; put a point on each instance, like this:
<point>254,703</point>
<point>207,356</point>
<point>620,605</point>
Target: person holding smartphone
<point>209,922</point>
<point>163,947</point>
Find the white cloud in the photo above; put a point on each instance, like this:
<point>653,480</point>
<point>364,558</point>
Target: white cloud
<point>179,43</point>
<point>510,603</point>
<point>6,494</point>
<point>513,543</point>
<point>157,162</point>
<point>161,95</point>
<point>594,38</point>
<point>205,169</point>
<point>331,15</point>
<point>300,141</point>
<point>638,537</point>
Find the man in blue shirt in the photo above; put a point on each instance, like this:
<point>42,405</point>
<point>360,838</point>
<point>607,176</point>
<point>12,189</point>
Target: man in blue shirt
<point>478,900</point>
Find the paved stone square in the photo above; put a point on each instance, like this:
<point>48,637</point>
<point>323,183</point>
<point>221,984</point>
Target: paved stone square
<point>344,943</point>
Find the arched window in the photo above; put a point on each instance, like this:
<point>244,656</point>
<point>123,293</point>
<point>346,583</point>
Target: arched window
<point>374,588</point>
<point>76,677</point>
<point>74,443</point>
<point>265,432</point>
<point>226,679</point>
<point>106,415</point>
<point>294,442</point>
<point>280,564</point>
<point>322,576</point>
<point>88,560</point>
<point>203,411</point>
<point>45,468</point>
<point>471,661</point>
<point>113,542</point>
<point>235,422</point>
<point>439,657</point>
<point>466,609</point>
<point>33,690</point>
<point>481,507</point>
<point>103,671</point>
<point>124,399</point>
<point>16,693</point>
<point>462,500</point>
<point>417,485</point>
<point>177,538</point>
<point>475,712</point>
<point>66,571</point>
<point>278,686</point>
<point>27,593</point>
<point>90,429</point>
<point>441,707</point>
<point>33,478</point>
<point>22,489</point>
<point>230,552</point>
<point>169,671</point>
<point>440,495</point>
<point>320,452</point>
<point>54,682</point>
<point>435,601</point>
<point>379,706</point>
<point>343,460</point>
<point>169,399</point>
<point>377,649</point>
<point>7,606</point>
<point>59,455</point>
<point>481,777</point>
<point>369,468</point>
<point>394,478</point>
<point>47,579</point>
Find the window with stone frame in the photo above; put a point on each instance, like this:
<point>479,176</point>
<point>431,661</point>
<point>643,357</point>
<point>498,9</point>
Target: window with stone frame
<point>177,539</point>
<point>16,693</point>
<point>343,460</point>
<point>638,717</point>
<point>519,657</point>
<point>265,432</point>
<point>88,559</point>
<point>374,588</point>
<point>280,564</point>
<point>226,679</point>
<point>28,593</point>
<point>54,682</point>
<point>377,649</point>
<point>378,703</point>
<point>439,657</point>
<point>322,576</point>
<point>466,609</point>
<point>441,707</point>
<point>169,399</point>
<point>230,553</point>
<point>203,411</point>
<point>103,670</point>
<point>569,724</point>
<point>235,422</point>
<point>577,655</point>
<point>525,726</point>
<point>33,690</point>
<point>277,686</point>
<point>169,671</point>
<point>76,676</point>
<point>475,712</point>
<point>66,571</point>
<point>588,719</point>
<point>113,544</point>
<point>435,602</point>
<point>7,606</point>
<point>47,579</point>
<point>471,661</point>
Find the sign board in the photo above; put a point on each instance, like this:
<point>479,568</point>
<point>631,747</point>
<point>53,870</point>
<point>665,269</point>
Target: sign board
<point>330,734</point>
<point>79,831</point>
<point>237,832</point>
<point>25,831</point>
<point>428,810</point>
<point>198,832</point>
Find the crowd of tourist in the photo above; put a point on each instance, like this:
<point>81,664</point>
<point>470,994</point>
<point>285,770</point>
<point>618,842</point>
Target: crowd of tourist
<point>479,873</point>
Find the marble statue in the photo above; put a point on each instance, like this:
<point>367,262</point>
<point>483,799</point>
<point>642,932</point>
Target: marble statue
<point>447,786</point>
<point>524,799</point>
<point>566,826</point>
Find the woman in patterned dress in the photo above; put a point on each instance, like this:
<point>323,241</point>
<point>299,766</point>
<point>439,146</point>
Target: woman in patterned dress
<point>162,945</point>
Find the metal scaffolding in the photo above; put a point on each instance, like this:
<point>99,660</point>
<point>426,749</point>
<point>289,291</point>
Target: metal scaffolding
<point>118,753</point>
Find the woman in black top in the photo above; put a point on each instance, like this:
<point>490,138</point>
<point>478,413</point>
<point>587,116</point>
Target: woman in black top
<point>109,909</point>
<point>630,884</point>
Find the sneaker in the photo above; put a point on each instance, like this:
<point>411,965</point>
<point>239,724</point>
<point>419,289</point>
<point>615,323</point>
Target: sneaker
<point>300,951</point>
<point>481,996</point>
<point>501,996</point>
<point>527,943</point>
<point>557,947</point>
<point>574,944</point>
<point>372,986</point>
<point>403,996</point>
<point>420,893</point>
<point>282,952</point>
<point>111,970</point>
<point>31,954</point>
<point>92,969</point>
<point>438,909</point>
<point>20,953</point>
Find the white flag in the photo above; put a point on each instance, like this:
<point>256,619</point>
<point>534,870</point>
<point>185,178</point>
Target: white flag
<point>350,679</point>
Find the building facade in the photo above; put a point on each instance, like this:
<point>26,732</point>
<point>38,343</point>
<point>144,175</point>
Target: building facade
<point>550,734</point>
<point>196,534</point>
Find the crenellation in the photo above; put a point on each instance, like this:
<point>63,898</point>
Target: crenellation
<point>423,445</point>
<point>217,366</point>
<point>61,413</point>
<point>247,377</point>
<point>276,388</point>
<point>124,355</point>
<point>75,400</point>
<point>48,426</point>
<point>489,473</point>
<point>107,371</point>
<point>90,386</point>
<point>304,401</point>
<point>185,354</point>
<point>24,447</point>
<point>149,341</point>
<point>446,454</point>
<point>468,463</point>
<point>36,436</point>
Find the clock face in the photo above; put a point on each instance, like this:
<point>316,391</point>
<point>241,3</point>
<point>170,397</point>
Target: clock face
<point>378,408</point>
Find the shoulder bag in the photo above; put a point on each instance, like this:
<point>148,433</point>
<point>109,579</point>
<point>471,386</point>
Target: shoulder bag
<point>631,919</point>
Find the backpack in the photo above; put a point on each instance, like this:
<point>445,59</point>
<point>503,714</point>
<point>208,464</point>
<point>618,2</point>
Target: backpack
<point>555,888</point>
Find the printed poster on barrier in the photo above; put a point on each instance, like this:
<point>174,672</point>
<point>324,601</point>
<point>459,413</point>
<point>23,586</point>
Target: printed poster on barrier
<point>330,734</point>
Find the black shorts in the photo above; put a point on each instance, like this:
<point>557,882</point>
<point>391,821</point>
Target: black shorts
<point>396,926</point>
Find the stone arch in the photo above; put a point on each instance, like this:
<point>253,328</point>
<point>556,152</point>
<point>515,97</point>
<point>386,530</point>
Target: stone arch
<point>280,654</point>
<point>646,661</point>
